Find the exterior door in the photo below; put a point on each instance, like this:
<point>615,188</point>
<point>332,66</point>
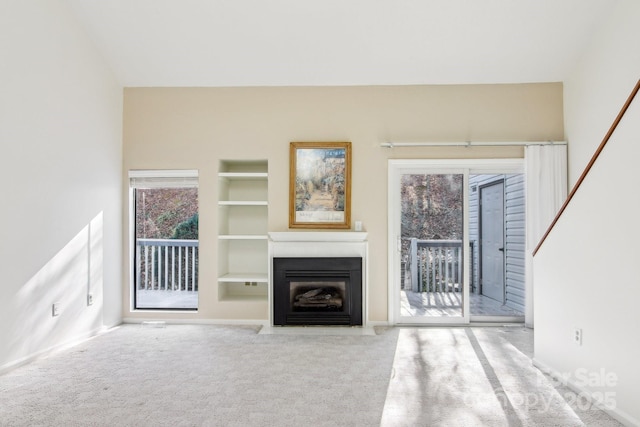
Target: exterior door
<point>492,241</point>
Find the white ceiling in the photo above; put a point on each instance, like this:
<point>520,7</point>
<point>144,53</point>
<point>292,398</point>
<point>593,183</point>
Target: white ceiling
<point>339,42</point>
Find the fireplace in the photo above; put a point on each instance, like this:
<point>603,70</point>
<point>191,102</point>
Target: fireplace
<point>317,291</point>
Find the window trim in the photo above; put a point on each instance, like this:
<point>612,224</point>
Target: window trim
<point>144,179</point>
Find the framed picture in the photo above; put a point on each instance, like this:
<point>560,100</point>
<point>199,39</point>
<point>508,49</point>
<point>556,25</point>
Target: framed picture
<point>320,185</point>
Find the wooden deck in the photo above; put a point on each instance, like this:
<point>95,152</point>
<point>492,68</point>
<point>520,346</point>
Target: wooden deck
<point>449,304</point>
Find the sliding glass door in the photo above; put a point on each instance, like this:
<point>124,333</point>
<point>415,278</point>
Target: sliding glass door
<point>432,257</point>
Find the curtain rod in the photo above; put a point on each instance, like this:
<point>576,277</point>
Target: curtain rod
<point>469,144</point>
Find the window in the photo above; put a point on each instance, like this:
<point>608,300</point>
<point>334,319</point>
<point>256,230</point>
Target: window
<point>165,239</point>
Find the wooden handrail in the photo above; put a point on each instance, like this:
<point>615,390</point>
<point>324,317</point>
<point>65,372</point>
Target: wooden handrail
<point>590,164</point>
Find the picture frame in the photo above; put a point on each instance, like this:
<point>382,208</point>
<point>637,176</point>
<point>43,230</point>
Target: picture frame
<point>320,185</point>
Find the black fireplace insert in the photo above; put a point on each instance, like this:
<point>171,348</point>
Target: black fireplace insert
<point>317,291</point>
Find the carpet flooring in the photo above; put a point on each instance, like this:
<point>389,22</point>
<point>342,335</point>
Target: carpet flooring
<point>203,375</point>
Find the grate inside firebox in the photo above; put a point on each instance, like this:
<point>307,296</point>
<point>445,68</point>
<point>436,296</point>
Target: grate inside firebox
<point>317,296</point>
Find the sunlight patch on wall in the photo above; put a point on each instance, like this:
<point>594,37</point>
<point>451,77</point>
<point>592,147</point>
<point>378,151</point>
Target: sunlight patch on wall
<point>73,281</point>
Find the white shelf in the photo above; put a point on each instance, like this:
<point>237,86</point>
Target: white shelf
<point>243,298</point>
<point>243,203</point>
<point>244,277</point>
<point>243,237</point>
<point>243,175</point>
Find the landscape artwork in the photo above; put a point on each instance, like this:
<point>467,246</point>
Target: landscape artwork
<point>320,185</point>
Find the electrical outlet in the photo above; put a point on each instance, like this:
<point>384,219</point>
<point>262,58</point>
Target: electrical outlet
<point>55,309</point>
<point>90,299</point>
<point>577,336</point>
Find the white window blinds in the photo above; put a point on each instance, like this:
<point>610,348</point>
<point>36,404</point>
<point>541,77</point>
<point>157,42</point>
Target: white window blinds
<point>187,178</point>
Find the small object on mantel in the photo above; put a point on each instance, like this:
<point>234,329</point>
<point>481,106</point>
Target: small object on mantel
<point>358,226</point>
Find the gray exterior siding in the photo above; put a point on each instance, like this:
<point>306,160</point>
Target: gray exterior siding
<point>514,241</point>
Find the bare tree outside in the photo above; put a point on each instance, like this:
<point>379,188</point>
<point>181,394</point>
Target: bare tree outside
<point>431,207</point>
<point>160,211</point>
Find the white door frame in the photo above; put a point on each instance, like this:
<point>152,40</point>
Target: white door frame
<point>397,167</point>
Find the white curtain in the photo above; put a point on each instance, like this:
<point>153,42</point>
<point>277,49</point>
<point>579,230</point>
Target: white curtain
<point>546,186</point>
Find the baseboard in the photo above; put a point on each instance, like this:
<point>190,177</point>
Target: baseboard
<point>616,413</point>
<point>374,323</point>
<point>252,322</point>
<point>72,342</point>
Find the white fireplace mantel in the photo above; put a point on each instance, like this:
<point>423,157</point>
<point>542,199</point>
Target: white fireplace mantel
<point>321,244</point>
<point>318,244</point>
<point>318,236</point>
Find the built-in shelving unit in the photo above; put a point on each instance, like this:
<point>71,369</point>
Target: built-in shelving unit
<point>242,230</point>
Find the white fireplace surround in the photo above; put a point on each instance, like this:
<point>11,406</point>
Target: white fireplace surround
<point>320,244</point>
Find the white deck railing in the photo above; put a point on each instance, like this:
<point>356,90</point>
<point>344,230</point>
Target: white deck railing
<point>435,266</point>
<point>167,264</point>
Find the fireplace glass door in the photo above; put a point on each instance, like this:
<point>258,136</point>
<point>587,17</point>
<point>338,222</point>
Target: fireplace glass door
<point>322,296</point>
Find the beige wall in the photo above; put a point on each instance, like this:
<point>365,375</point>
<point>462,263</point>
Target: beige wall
<point>194,128</point>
